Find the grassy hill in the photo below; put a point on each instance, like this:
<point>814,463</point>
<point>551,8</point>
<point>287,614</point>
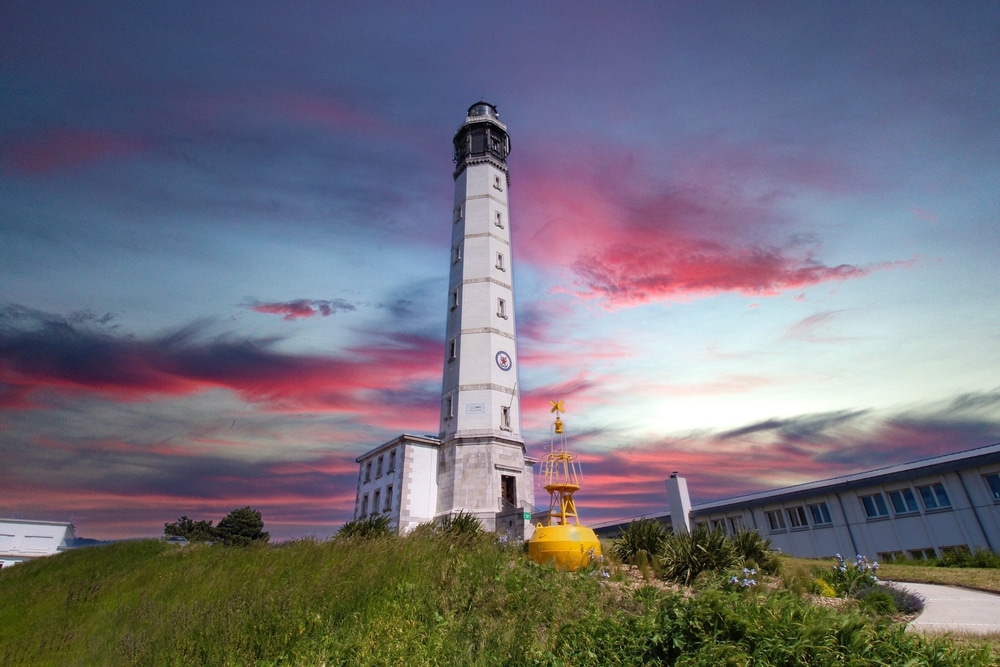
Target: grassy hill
<point>419,600</point>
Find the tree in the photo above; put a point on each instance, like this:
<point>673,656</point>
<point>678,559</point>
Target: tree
<point>242,527</point>
<point>194,531</point>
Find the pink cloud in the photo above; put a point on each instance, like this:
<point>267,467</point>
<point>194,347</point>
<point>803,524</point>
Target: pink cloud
<point>57,149</point>
<point>299,308</point>
<point>628,239</point>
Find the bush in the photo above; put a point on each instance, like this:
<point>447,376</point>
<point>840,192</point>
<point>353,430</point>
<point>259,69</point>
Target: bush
<point>907,602</point>
<point>463,525</point>
<point>372,527</point>
<point>755,551</point>
<point>848,578</point>
<point>965,558</point>
<point>647,535</point>
<point>876,601</point>
<point>685,556</point>
<point>242,527</point>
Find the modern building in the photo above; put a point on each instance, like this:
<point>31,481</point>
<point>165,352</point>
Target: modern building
<point>22,540</point>
<point>918,510</point>
<point>476,463</point>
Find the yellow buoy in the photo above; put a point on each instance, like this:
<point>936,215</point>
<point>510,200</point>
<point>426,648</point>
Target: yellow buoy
<point>562,542</point>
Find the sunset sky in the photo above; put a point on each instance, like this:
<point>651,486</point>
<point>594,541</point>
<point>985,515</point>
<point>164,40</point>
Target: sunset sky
<point>755,243</point>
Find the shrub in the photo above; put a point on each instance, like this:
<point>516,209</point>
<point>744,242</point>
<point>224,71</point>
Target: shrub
<point>964,558</point>
<point>821,588</point>
<point>463,524</point>
<point>685,556</point>
<point>876,601</point>
<point>643,534</point>
<point>847,578</point>
<point>907,602</point>
<point>755,551</point>
<point>242,527</point>
<point>373,526</point>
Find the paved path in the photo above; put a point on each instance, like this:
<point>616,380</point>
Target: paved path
<point>950,609</point>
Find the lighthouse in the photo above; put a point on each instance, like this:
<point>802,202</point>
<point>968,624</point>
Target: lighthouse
<point>476,464</point>
<point>482,467</point>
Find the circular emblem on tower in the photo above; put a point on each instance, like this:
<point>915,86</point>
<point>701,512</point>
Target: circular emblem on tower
<point>504,362</point>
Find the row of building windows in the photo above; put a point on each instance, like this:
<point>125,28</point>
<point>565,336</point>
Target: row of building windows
<point>501,303</point>
<point>933,496</point>
<point>819,512</point>
<point>377,497</point>
<point>391,468</point>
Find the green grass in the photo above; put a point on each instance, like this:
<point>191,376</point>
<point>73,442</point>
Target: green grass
<point>425,600</point>
<point>984,579</point>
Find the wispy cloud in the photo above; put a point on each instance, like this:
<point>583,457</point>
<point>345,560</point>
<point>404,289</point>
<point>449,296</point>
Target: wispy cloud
<point>299,308</point>
<point>61,148</point>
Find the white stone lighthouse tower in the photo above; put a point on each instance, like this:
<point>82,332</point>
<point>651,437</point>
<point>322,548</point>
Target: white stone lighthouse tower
<point>476,464</point>
<point>482,468</point>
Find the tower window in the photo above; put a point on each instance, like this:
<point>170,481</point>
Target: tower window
<point>448,409</point>
<point>500,264</point>
<point>458,213</point>
<point>501,308</point>
<point>456,253</point>
<point>496,183</point>
<point>454,298</point>
<point>498,220</point>
<point>453,350</point>
<point>504,417</point>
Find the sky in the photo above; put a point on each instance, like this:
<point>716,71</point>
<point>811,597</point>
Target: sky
<point>754,243</point>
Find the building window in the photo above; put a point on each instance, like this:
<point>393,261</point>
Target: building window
<point>378,468</point>
<point>496,183</point>
<point>776,520</point>
<point>364,506</point>
<point>453,349</point>
<point>797,517</point>
<point>875,506</point>
<point>458,213</point>
<point>718,525</point>
<point>934,496</point>
<point>889,556</point>
<point>392,461</point>
<point>498,220</point>
<point>448,407</point>
<point>504,417</point>
<point>922,554</point>
<point>501,308</point>
<point>375,509</point>
<point>456,253</point>
<point>500,262</point>
<point>820,514</point>
<point>903,501</point>
<point>454,298</point>
<point>735,524</point>
<point>993,481</point>
<point>388,499</point>
<point>368,471</point>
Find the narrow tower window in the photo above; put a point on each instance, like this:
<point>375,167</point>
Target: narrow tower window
<point>454,298</point>
<point>500,264</point>
<point>448,408</point>
<point>498,221</point>
<point>501,308</point>
<point>496,183</point>
<point>456,253</point>
<point>453,349</point>
<point>458,213</point>
<point>504,417</point>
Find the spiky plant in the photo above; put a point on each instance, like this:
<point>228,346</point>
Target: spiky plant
<point>373,526</point>
<point>755,551</point>
<point>685,556</point>
<point>643,534</point>
<point>463,524</point>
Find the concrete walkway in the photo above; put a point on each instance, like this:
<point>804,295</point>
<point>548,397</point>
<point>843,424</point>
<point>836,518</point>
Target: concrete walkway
<point>951,609</point>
